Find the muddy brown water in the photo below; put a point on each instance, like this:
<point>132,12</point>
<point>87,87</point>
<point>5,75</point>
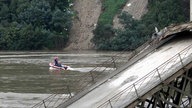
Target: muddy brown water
<point>25,77</point>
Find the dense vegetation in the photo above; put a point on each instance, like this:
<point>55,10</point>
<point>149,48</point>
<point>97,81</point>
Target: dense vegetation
<point>45,24</point>
<point>110,8</point>
<point>104,31</point>
<point>34,24</point>
<point>161,13</point>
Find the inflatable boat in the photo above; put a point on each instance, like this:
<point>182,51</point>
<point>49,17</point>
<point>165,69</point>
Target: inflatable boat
<point>63,67</point>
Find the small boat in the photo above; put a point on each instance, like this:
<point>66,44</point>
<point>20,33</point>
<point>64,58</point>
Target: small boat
<point>63,67</point>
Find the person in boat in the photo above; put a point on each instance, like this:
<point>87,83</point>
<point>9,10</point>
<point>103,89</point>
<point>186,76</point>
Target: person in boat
<point>57,62</point>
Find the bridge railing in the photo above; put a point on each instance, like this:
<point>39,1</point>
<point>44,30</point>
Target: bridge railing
<point>90,78</point>
<point>84,80</point>
<point>93,75</point>
<point>149,81</point>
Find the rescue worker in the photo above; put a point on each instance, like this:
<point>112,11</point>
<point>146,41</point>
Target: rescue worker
<point>57,62</point>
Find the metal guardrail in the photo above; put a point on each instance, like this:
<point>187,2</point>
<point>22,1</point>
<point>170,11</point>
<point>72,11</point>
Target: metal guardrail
<point>90,78</point>
<point>51,101</point>
<point>155,77</point>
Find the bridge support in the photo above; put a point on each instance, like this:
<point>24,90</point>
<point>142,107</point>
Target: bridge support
<point>176,94</point>
<point>190,10</point>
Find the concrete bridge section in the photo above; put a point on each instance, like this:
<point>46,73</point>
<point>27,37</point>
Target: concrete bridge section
<point>132,86</point>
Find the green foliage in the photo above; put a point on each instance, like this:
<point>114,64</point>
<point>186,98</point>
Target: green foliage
<point>34,24</point>
<point>38,13</point>
<point>129,38</point>
<point>161,13</point>
<point>110,9</point>
<point>17,37</point>
<point>165,12</point>
<point>3,12</point>
<point>60,21</point>
<point>104,31</point>
<point>107,33</point>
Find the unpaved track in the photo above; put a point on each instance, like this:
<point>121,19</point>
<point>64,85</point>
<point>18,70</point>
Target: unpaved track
<point>136,8</point>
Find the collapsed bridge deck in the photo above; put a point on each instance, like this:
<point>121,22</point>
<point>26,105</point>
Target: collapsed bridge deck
<point>137,79</point>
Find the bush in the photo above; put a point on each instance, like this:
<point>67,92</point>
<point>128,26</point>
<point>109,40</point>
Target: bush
<point>110,9</point>
<point>129,38</point>
<point>103,35</point>
<point>161,13</point>
<point>34,24</point>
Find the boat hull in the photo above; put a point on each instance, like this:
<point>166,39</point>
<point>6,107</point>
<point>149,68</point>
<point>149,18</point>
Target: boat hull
<point>52,66</point>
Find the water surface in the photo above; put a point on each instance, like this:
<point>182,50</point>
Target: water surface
<point>25,77</point>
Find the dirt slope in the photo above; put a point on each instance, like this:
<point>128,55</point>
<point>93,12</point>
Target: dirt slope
<point>88,12</point>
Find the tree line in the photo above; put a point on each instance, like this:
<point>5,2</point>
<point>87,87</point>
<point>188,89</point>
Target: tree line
<point>45,24</point>
<point>34,24</point>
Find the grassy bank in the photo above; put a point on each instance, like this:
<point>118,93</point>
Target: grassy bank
<point>109,9</point>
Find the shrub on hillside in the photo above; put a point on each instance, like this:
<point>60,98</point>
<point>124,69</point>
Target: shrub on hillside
<point>34,24</point>
<point>161,13</point>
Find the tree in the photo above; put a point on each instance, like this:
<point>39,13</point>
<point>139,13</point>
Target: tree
<point>3,12</point>
<point>61,21</point>
<point>161,13</point>
<point>34,24</point>
<point>37,14</point>
<point>61,4</point>
<point>103,35</point>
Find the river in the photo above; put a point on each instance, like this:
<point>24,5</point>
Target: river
<point>25,77</point>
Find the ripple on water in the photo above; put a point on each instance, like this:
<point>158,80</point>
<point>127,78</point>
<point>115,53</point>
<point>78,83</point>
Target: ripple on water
<point>27,75</point>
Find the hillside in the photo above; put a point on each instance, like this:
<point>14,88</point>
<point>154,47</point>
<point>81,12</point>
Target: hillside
<point>88,12</point>
<point>136,8</point>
